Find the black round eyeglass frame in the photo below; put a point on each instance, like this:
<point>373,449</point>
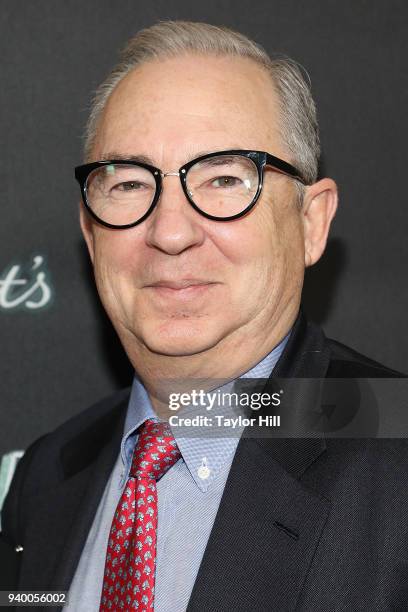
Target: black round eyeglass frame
<point>260,159</point>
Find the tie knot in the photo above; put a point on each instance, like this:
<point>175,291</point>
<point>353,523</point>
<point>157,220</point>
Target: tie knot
<point>156,451</point>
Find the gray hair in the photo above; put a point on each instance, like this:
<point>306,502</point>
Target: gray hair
<point>166,39</point>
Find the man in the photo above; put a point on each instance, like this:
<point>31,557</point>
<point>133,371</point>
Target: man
<point>201,209</point>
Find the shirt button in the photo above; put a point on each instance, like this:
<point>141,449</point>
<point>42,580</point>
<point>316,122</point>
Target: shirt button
<point>203,471</point>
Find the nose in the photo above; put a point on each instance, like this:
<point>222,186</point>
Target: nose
<point>174,225</point>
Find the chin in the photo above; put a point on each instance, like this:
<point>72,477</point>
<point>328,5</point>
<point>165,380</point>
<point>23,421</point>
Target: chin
<point>181,338</point>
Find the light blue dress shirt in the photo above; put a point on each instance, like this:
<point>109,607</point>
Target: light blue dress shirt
<point>188,500</point>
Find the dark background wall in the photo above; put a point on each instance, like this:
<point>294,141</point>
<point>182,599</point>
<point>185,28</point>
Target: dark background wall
<point>57,359</point>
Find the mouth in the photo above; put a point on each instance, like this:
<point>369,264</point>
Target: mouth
<point>180,284</point>
<point>184,288</point>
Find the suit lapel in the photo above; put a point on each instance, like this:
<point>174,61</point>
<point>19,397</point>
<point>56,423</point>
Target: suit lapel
<point>268,524</point>
<point>96,478</point>
<point>61,516</point>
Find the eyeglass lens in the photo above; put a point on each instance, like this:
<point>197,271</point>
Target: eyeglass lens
<point>223,186</point>
<point>120,194</point>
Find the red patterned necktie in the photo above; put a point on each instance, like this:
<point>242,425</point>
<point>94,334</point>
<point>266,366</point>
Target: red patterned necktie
<point>128,582</point>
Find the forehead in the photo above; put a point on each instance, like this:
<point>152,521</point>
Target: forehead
<point>175,107</point>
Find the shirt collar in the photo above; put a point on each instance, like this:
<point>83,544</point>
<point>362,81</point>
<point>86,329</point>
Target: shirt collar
<point>197,452</point>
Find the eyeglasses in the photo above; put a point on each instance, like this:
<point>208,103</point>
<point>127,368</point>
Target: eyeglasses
<point>222,186</point>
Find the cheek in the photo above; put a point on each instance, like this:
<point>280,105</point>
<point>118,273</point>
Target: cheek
<point>251,242</point>
<point>115,267</point>
<point>116,251</point>
<point>250,247</point>
<point>266,248</point>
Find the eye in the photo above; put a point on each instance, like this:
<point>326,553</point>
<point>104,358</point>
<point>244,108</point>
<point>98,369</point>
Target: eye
<point>128,186</point>
<point>225,181</point>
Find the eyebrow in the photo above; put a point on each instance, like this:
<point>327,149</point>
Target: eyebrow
<point>142,159</point>
<point>145,159</point>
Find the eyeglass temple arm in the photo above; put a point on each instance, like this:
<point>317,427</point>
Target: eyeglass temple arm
<point>284,167</point>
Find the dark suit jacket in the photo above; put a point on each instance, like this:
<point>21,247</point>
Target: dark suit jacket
<point>306,524</point>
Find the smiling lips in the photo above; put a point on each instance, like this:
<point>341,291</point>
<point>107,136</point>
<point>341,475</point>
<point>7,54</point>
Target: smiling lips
<point>181,284</point>
<point>184,288</point>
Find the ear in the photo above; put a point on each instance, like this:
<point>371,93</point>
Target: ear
<point>318,209</point>
<point>87,230</point>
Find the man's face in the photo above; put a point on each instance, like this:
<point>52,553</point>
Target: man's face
<point>242,279</point>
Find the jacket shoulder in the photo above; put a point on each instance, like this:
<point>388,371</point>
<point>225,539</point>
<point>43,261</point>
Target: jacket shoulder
<point>41,464</point>
<point>89,428</point>
<point>345,362</point>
